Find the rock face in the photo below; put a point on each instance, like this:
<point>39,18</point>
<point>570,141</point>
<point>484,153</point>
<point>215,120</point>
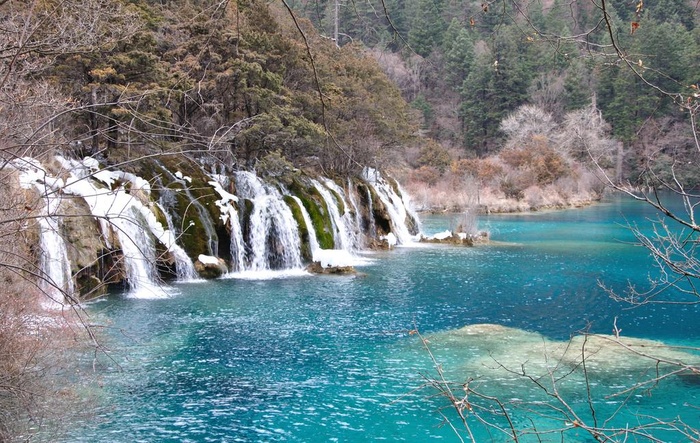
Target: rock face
<point>92,264</point>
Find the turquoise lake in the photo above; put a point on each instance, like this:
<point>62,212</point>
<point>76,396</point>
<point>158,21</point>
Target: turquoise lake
<point>330,358</point>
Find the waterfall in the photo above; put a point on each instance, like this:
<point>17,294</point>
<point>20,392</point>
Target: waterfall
<point>203,215</point>
<point>341,235</point>
<point>123,215</point>
<point>326,257</point>
<point>229,216</point>
<point>55,270</point>
<point>273,234</point>
<point>394,204</point>
<point>410,212</point>
<point>313,240</point>
<point>55,266</point>
<point>183,264</point>
<point>264,237</point>
<point>359,244</point>
<point>370,212</point>
<point>352,228</point>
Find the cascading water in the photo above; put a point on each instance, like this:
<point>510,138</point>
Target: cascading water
<point>394,204</point>
<point>273,234</point>
<point>56,279</point>
<point>122,214</point>
<point>412,215</point>
<point>203,216</point>
<point>313,240</point>
<point>266,237</point>
<point>183,264</point>
<point>352,228</point>
<point>341,234</point>
<point>229,216</point>
<point>54,259</point>
<point>370,211</point>
<point>352,196</point>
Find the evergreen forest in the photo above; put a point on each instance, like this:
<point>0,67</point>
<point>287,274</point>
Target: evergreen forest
<point>467,66</point>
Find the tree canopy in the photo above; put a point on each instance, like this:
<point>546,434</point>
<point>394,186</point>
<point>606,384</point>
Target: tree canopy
<point>487,59</point>
<point>235,79</point>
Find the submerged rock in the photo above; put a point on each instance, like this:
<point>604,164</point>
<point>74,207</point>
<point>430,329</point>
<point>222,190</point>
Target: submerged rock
<point>457,238</point>
<point>502,353</point>
<point>318,268</point>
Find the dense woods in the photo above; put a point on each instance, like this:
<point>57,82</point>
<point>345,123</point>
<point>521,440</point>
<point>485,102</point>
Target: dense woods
<point>237,80</point>
<point>467,66</point>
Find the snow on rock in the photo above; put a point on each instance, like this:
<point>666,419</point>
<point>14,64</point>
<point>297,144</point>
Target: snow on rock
<point>390,239</point>
<point>334,258</point>
<point>208,259</point>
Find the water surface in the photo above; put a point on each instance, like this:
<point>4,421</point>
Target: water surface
<point>330,358</point>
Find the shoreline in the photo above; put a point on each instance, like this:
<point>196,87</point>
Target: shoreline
<point>443,200</point>
<point>507,206</point>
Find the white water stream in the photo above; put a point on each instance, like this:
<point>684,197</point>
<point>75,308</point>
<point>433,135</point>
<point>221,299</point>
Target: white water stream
<point>267,241</point>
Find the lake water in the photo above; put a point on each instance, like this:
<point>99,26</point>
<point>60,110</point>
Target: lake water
<point>330,358</point>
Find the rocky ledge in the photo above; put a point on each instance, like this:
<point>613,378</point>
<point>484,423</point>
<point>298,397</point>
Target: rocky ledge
<point>317,268</point>
<point>457,238</point>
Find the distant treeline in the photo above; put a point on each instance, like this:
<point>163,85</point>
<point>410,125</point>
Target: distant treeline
<point>467,65</point>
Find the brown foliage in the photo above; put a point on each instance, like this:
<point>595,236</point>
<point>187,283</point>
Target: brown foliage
<point>433,154</point>
<point>34,342</point>
<point>484,170</point>
<point>538,159</point>
<point>426,174</point>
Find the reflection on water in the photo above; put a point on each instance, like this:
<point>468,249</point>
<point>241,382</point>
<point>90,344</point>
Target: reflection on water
<point>329,358</point>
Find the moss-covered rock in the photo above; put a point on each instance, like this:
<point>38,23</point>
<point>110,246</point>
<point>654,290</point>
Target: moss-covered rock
<point>306,252</point>
<point>316,208</point>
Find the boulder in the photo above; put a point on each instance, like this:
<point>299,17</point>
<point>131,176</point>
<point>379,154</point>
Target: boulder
<point>210,267</point>
<point>457,238</point>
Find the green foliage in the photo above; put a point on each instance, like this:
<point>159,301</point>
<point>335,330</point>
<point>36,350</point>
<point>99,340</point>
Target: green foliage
<point>459,53</point>
<point>486,62</point>
<point>496,85</point>
<point>234,80</point>
<point>422,105</point>
<point>426,26</point>
<point>667,57</point>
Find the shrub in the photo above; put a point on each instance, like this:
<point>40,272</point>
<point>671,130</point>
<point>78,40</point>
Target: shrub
<point>426,174</point>
<point>434,155</point>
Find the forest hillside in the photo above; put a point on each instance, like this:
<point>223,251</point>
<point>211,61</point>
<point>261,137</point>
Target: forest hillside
<point>473,69</point>
<point>234,81</point>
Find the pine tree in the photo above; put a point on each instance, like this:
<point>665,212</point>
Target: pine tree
<point>459,54</point>
<point>427,27</point>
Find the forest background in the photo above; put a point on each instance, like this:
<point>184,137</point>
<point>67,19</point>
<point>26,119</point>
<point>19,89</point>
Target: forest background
<point>515,98</point>
<point>495,105</point>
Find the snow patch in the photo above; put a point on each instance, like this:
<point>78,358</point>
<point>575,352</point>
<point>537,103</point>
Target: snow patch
<point>208,259</point>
